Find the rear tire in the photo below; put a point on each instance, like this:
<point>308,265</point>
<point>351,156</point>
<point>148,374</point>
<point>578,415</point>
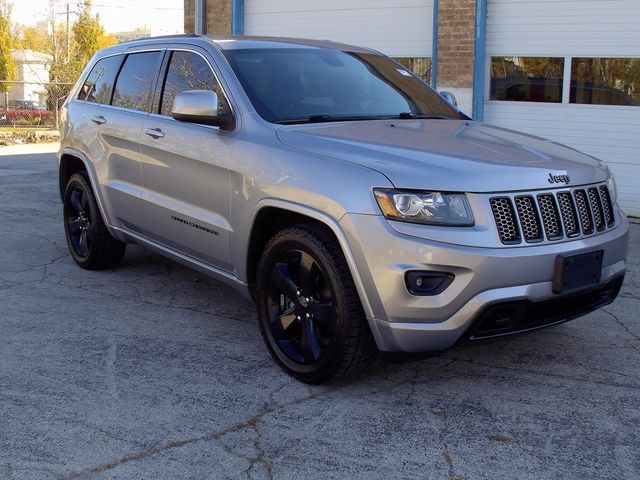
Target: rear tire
<point>90,243</point>
<point>309,311</point>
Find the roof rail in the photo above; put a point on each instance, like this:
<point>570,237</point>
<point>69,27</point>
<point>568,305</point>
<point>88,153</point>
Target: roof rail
<point>175,35</point>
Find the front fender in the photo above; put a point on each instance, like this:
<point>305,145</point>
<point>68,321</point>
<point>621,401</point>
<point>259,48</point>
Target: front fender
<point>240,248</point>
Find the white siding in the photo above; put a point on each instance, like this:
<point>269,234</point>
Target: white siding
<point>605,28</point>
<point>608,133</point>
<point>563,27</point>
<point>400,28</point>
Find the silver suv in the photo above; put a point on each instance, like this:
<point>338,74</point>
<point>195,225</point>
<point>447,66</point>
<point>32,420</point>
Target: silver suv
<point>357,207</point>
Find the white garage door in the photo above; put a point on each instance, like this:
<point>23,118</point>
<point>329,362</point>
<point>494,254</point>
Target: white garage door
<point>569,70</point>
<point>400,28</point>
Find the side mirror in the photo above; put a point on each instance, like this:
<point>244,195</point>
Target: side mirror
<point>200,106</point>
<point>450,97</point>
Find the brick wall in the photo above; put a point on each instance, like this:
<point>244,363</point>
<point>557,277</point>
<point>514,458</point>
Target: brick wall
<point>219,17</point>
<point>456,31</point>
<point>218,14</point>
<point>189,15</point>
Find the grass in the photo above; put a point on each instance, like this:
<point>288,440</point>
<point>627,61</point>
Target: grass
<point>24,129</point>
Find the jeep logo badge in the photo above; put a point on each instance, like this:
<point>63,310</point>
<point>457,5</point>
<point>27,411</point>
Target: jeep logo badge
<point>558,178</point>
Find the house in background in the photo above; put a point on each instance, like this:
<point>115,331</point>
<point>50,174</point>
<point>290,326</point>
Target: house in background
<point>132,35</point>
<point>31,77</point>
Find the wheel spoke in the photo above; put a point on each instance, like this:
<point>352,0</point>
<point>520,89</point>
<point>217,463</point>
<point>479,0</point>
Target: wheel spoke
<point>323,313</point>
<point>307,272</point>
<point>76,201</point>
<point>84,202</point>
<point>74,225</point>
<point>83,243</point>
<point>309,345</point>
<point>281,277</point>
<point>88,233</point>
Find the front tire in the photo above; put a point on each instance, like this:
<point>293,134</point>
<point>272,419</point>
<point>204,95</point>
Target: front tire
<point>309,311</point>
<point>90,243</point>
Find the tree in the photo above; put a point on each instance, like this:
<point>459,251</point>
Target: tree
<point>88,36</point>
<point>28,37</point>
<point>7,66</point>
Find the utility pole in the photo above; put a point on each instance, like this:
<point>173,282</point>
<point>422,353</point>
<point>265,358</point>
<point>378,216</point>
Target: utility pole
<point>68,35</point>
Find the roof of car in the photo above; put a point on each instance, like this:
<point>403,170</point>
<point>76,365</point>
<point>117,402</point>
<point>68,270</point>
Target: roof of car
<point>234,42</point>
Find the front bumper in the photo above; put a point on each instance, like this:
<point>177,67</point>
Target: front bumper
<point>483,277</point>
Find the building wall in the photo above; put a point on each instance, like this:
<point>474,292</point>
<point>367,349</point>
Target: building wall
<point>189,16</point>
<point>218,14</point>
<point>396,28</point>
<point>596,29</point>
<point>456,33</point>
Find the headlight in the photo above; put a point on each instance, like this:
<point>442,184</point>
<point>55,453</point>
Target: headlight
<point>433,208</point>
<point>613,190</point>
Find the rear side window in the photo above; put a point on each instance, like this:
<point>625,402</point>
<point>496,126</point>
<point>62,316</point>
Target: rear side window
<point>187,71</point>
<point>133,87</point>
<point>98,85</point>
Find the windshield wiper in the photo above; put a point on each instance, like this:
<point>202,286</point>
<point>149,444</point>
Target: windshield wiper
<point>413,116</point>
<point>325,118</point>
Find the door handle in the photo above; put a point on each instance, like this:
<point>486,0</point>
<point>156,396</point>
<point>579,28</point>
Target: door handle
<point>98,119</point>
<point>154,132</point>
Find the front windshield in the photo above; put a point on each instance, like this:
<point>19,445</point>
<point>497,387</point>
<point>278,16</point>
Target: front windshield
<point>295,85</point>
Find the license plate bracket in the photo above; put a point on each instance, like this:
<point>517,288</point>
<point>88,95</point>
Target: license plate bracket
<point>575,272</point>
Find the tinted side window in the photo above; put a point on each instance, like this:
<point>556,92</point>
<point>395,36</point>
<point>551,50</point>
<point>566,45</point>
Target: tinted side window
<point>98,85</point>
<point>187,71</point>
<point>133,87</point>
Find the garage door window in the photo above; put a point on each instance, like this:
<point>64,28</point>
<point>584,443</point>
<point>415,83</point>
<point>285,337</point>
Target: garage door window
<point>421,66</point>
<point>605,81</point>
<point>527,79</point>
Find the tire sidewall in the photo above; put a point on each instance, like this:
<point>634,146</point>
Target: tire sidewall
<point>272,253</point>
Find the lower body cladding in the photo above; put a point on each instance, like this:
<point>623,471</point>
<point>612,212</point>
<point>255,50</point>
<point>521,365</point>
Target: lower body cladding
<point>494,292</point>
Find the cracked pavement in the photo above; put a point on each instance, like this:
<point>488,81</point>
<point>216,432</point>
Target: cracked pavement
<point>154,371</point>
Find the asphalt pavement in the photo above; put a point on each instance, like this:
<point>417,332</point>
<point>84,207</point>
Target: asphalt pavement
<point>152,371</point>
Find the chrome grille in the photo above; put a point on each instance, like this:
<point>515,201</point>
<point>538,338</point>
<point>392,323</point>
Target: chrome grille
<point>529,219</point>
<point>568,213</point>
<point>552,216</point>
<point>505,219</point>
<point>596,209</point>
<point>606,205</point>
<point>584,211</point>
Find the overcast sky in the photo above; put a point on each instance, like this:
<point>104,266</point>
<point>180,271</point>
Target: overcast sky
<point>161,16</point>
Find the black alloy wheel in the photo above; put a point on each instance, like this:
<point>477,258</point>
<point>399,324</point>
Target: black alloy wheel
<point>300,305</point>
<point>78,220</point>
<point>90,243</point>
<point>309,311</point>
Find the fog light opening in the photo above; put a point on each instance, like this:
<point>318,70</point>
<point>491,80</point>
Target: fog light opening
<point>427,283</point>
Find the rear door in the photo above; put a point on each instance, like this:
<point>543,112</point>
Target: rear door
<point>186,193</point>
<point>88,117</point>
<point>118,130</point>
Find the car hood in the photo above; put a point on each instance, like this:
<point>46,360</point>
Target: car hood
<point>450,155</point>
